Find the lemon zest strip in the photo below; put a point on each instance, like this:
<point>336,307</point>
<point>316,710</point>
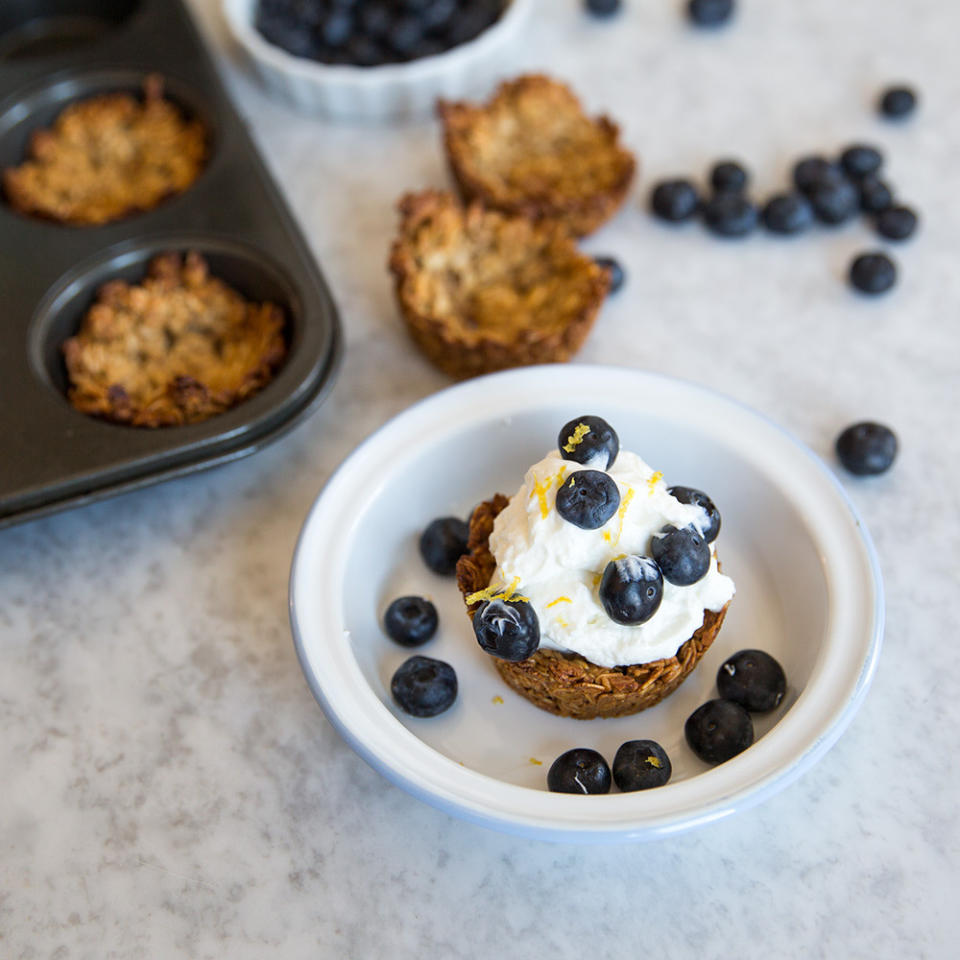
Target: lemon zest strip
<point>576,438</point>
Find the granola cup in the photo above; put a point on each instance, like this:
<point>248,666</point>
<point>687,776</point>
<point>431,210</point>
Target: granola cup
<point>532,150</point>
<point>566,684</point>
<point>482,290</point>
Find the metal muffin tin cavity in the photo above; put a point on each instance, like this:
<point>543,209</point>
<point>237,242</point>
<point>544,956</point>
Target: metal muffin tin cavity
<point>55,457</point>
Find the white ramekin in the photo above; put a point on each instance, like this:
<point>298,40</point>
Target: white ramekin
<point>388,92</point>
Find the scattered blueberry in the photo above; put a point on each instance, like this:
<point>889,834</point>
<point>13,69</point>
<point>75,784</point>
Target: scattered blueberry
<point>867,448</point>
<point>508,629</point>
<point>873,273</point>
<point>631,590</point>
<point>443,543</point>
<point>424,687</point>
<point>810,172</point>
<point>682,555</point>
<point>753,679</point>
<point>588,499</point>
<point>729,214</point>
<point>674,200</point>
<point>897,102</point>
<point>788,213</point>
<point>579,771</point>
<point>728,175</point>
<point>718,730</point>
<point>710,13</point>
<point>835,201</point>
<point>711,529</point>
<point>590,441</point>
<point>896,223</point>
<point>640,765</point>
<point>410,621</point>
<point>612,267</point>
<point>861,160</point>
<point>603,8</point>
<point>875,195</point>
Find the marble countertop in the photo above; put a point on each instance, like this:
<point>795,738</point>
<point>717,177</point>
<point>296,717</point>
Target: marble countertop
<point>171,789</point>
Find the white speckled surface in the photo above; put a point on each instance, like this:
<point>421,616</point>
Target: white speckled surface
<point>171,789</point>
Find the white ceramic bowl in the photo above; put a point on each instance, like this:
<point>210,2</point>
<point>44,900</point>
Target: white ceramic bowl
<point>808,592</point>
<point>391,91</point>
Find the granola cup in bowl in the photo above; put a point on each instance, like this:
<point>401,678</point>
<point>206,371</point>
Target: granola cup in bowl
<point>391,91</point>
<point>808,592</point>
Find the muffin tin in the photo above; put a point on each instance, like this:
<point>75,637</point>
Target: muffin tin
<point>52,53</point>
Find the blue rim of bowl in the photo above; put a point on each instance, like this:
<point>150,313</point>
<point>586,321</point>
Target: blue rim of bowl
<point>662,826</point>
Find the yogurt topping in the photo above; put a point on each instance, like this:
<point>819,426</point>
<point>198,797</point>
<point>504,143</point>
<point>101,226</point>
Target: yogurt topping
<point>557,566</point>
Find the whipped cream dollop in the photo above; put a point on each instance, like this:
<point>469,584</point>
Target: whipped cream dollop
<point>557,566</point>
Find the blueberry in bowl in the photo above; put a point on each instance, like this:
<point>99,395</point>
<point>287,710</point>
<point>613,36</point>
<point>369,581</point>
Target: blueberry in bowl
<point>753,679</point>
<point>718,730</point>
<point>682,555</point>
<point>370,33</point>
<point>631,589</point>
<point>424,687</point>
<point>589,440</point>
<point>507,628</point>
<point>443,543</point>
<point>374,59</point>
<point>410,621</point>
<point>580,770</point>
<point>641,765</point>
<point>588,499</point>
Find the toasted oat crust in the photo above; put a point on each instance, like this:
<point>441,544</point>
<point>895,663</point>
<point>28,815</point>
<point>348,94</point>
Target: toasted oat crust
<point>107,157</point>
<point>532,150</point>
<point>481,290</point>
<point>565,683</point>
<point>179,347</point>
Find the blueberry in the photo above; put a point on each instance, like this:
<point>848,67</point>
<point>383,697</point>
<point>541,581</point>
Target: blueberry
<point>682,555</point>
<point>753,679</point>
<point>410,621</point>
<point>718,730</point>
<point>614,269</point>
<point>860,160</point>
<point>337,28</point>
<point>579,771</point>
<point>590,441</point>
<point>788,213</point>
<point>588,499</point>
<point>443,543</point>
<point>809,172</point>
<point>471,20</point>
<point>711,528</point>
<point>631,590</point>
<point>875,195</point>
<point>405,35</point>
<point>364,51</point>
<point>674,200</point>
<point>640,765</point>
<point>835,201</point>
<point>873,273</point>
<point>730,214</point>
<point>896,223</point>
<point>710,13</point>
<point>897,102</point>
<point>603,8</point>
<point>375,19</point>
<point>437,14</point>
<point>424,687</point>
<point>728,175</point>
<point>867,448</point>
<point>507,629</point>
